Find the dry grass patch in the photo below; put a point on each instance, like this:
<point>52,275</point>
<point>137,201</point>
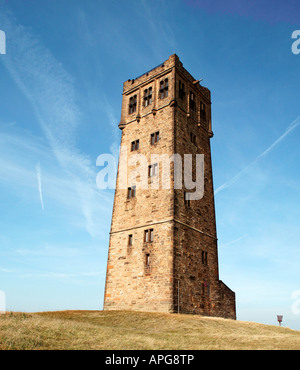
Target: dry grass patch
<point>138,330</point>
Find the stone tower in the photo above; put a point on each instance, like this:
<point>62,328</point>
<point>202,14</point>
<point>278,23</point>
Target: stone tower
<point>163,245</point>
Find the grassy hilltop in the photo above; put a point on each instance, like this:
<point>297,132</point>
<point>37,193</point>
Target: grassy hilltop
<point>138,330</point>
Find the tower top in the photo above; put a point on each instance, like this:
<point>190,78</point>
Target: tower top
<point>159,71</point>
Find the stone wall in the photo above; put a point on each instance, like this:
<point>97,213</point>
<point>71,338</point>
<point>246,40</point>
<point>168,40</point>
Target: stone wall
<point>130,283</point>
<point>177,270</point>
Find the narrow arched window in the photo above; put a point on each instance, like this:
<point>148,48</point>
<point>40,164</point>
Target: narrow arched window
<point>132,104</point>
<point>148,97</point>
<point>192,101</point>
<point>181,90</point>
<point>164,88</point>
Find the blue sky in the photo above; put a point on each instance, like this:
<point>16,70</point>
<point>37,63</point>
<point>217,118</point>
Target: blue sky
<point>60,97</point>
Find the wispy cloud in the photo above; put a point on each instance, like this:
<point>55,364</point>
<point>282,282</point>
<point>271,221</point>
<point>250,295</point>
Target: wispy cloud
<point>107,108</point>
<point>232,242</point>
<point>50,90</point>
<point>52,274</point>
<point>291,127</point>
<point>160,28</point>
<point>244,171</point>
<point>39,178</point>
<point>88,36</point>
<point>8,271</point>
<point>18,153</point>
<point>62,275</point>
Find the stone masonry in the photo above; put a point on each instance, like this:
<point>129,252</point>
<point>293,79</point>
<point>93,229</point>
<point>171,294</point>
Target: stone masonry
<point>163,253</point>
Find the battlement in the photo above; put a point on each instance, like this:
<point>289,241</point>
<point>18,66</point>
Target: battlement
<point>172,62</point>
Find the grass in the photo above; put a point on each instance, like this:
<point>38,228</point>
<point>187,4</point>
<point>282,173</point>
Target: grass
<point>114,330</point>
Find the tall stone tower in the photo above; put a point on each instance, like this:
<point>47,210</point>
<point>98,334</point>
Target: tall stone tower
<point>163,245</point>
